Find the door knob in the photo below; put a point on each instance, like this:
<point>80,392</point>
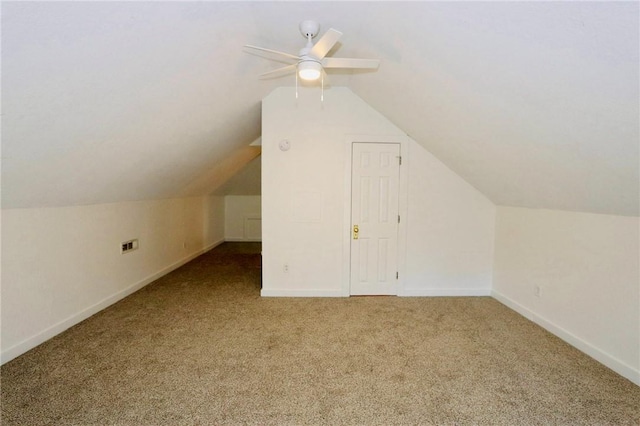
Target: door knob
<point>355,232</point>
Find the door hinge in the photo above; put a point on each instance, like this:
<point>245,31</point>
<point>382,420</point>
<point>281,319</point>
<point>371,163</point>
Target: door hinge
<point>398,218</point>
<point>396,275</point>
<point>400,159</point>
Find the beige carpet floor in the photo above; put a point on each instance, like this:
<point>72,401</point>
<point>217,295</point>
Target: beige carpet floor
<point>200,346</point>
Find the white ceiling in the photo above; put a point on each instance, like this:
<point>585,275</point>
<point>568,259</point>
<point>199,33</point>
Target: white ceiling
<point>535,104</point>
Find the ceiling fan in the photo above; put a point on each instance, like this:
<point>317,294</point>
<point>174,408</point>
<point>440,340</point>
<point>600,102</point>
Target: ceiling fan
<point>311,61</point>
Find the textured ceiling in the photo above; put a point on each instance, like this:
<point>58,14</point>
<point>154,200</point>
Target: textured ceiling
<point>535,104</point>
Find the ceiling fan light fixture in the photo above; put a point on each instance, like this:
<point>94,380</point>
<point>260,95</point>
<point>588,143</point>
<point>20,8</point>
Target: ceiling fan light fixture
<point>309,70</point>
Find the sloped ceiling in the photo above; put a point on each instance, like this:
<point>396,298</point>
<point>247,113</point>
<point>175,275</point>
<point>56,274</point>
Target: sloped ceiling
<point>246,181</point>
<point>535,104</point>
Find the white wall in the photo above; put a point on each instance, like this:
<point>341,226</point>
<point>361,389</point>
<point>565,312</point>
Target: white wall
<point>449,228</point>
<point>303,188</point>
<point>242,218</point>
<point>61,265</point>
<point>246,181</point>
<point>451,231</point>
<point>587,267</point>
<point>214,220</point>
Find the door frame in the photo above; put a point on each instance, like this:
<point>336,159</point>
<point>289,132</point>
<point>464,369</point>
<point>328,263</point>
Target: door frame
<point>403,141</point>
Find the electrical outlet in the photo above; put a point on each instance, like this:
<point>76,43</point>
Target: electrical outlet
<point>128,246</point>
<point>536,290</point>
<point>285,268</point>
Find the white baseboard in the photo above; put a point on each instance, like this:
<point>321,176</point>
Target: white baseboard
<point>242,240</point>
<point>604,358</point>
<point>429,292</point>
<point>41,337</point>
<point>213,245</point>
<point>456,292</point>
<point>300,293</point>
<point>444,292</point>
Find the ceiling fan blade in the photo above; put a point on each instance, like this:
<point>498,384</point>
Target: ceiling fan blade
<point>350,63</point>
<point>326,42</point>
<point>283,55</point>
<point>279,71</point>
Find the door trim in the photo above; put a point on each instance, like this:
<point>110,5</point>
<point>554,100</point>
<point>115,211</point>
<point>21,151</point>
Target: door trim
<point>403,141</point>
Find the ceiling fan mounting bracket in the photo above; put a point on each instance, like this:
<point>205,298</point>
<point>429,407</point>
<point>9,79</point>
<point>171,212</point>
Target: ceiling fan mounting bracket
<point>309,28</point>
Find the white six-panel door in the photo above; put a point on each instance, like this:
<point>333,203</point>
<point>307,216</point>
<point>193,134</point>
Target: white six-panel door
<point>375,180</point>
